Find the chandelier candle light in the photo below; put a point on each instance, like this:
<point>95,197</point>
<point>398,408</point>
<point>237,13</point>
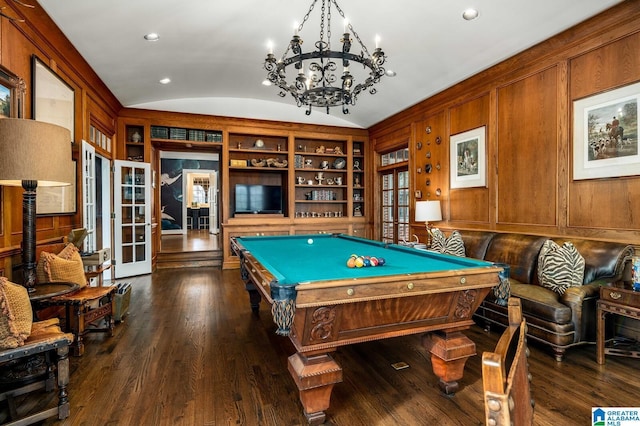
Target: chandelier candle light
<point>323,87</point>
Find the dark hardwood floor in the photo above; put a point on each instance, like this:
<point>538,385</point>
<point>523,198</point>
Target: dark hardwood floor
<point>191,353</point>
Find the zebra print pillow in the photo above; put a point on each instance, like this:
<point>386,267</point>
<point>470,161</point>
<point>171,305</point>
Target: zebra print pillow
<point>560,267</point>
<point>452,245</point>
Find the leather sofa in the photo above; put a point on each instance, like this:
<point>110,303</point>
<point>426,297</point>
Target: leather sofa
<point>561,321</point>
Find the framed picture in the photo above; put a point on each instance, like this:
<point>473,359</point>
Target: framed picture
<point>12,89</point>
<point>57,200</point>
<point>469,159</point>
<point>605,134</point>
<point>53,99</point>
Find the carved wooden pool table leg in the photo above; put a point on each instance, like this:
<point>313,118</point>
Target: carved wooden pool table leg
<point>449,353</point>
<point>315,376</point>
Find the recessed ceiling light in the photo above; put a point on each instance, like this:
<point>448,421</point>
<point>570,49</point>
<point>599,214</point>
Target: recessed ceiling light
<point>165,80</point>
<point>470,14</point>
<point>152,37</point>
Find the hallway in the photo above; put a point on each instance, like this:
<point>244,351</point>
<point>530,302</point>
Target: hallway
<point>193,240</point>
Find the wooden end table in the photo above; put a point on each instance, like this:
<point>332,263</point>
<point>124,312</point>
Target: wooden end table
<point>617,299</point>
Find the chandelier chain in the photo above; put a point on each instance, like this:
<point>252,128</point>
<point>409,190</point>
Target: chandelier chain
<point>323,9</point>
<point>328,27</point>
<point>306,17</point>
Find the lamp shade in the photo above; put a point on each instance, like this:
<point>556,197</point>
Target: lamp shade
<point>34,150</point>
<point>428,211</point>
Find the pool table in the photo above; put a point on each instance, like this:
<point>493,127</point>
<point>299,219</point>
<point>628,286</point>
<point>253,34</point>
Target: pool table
<point>321,304</point>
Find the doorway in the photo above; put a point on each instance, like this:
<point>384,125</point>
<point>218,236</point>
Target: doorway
<point>189,203</point>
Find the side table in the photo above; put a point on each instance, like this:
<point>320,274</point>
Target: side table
<point>619,300</point>
<point>46,291</point>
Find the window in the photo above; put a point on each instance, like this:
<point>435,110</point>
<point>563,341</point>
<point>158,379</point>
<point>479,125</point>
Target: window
<point>199,195</point>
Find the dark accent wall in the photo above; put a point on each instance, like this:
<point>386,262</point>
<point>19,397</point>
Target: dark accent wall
<point>171,196</point>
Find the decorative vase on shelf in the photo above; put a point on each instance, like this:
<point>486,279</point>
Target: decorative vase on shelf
<point>135,137</point>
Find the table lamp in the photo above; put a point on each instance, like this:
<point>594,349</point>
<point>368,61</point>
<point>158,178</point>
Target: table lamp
<point>428,211</point>
<point>33,154</point>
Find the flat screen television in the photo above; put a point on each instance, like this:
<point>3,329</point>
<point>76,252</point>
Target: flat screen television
<point>258,199</point>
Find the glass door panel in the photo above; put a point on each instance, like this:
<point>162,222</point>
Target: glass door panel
<point>395,205</point>
<point>133,224</point>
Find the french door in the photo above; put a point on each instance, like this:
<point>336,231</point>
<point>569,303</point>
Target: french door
<point>395,205</point>
<point>132,205</point>
<point>96,202</point>
<point>89,195</point>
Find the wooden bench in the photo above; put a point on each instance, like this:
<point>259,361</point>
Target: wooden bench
<point>47,339</point>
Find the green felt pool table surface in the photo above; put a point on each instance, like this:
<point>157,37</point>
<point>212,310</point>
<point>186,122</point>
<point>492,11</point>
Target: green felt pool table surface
<point>323,257</point>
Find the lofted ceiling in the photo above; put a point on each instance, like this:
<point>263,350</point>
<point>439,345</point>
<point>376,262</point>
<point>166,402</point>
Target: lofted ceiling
<point>213,51</point>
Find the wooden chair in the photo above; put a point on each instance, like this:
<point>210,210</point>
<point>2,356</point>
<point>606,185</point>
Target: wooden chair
<point>46,340</point>
<point>87,310</point>
<point>505,375</point>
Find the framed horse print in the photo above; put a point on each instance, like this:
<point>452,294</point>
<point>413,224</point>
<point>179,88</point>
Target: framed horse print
<point>605,134</point>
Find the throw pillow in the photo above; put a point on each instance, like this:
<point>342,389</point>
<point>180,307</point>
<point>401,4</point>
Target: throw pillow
<point>66,253</point>
<point>560,267</point>
<point>41,275</point>
<point>69,270</point>
<point>452,245</point>
<point>16,315</point>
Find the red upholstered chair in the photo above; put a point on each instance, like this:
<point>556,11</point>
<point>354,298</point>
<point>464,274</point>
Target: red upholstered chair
<point>505,375</point>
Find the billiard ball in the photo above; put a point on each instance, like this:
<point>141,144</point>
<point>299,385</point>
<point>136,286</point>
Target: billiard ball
<point>351,263</point>
<point>381,261</point>
<point>359,262</point>
<point>310,241</point>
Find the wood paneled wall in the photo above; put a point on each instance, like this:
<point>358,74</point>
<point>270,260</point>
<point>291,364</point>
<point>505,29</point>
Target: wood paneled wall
<point>19,41</point>
<point>526,104</point>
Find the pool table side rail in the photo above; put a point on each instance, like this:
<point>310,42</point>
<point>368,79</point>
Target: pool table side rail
<point>408,285</point>
<point>260,276</point>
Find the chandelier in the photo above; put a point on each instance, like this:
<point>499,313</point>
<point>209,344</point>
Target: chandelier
<point>325,85</point>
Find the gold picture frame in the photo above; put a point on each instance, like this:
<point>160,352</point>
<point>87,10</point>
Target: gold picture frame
<point>12,90</point>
